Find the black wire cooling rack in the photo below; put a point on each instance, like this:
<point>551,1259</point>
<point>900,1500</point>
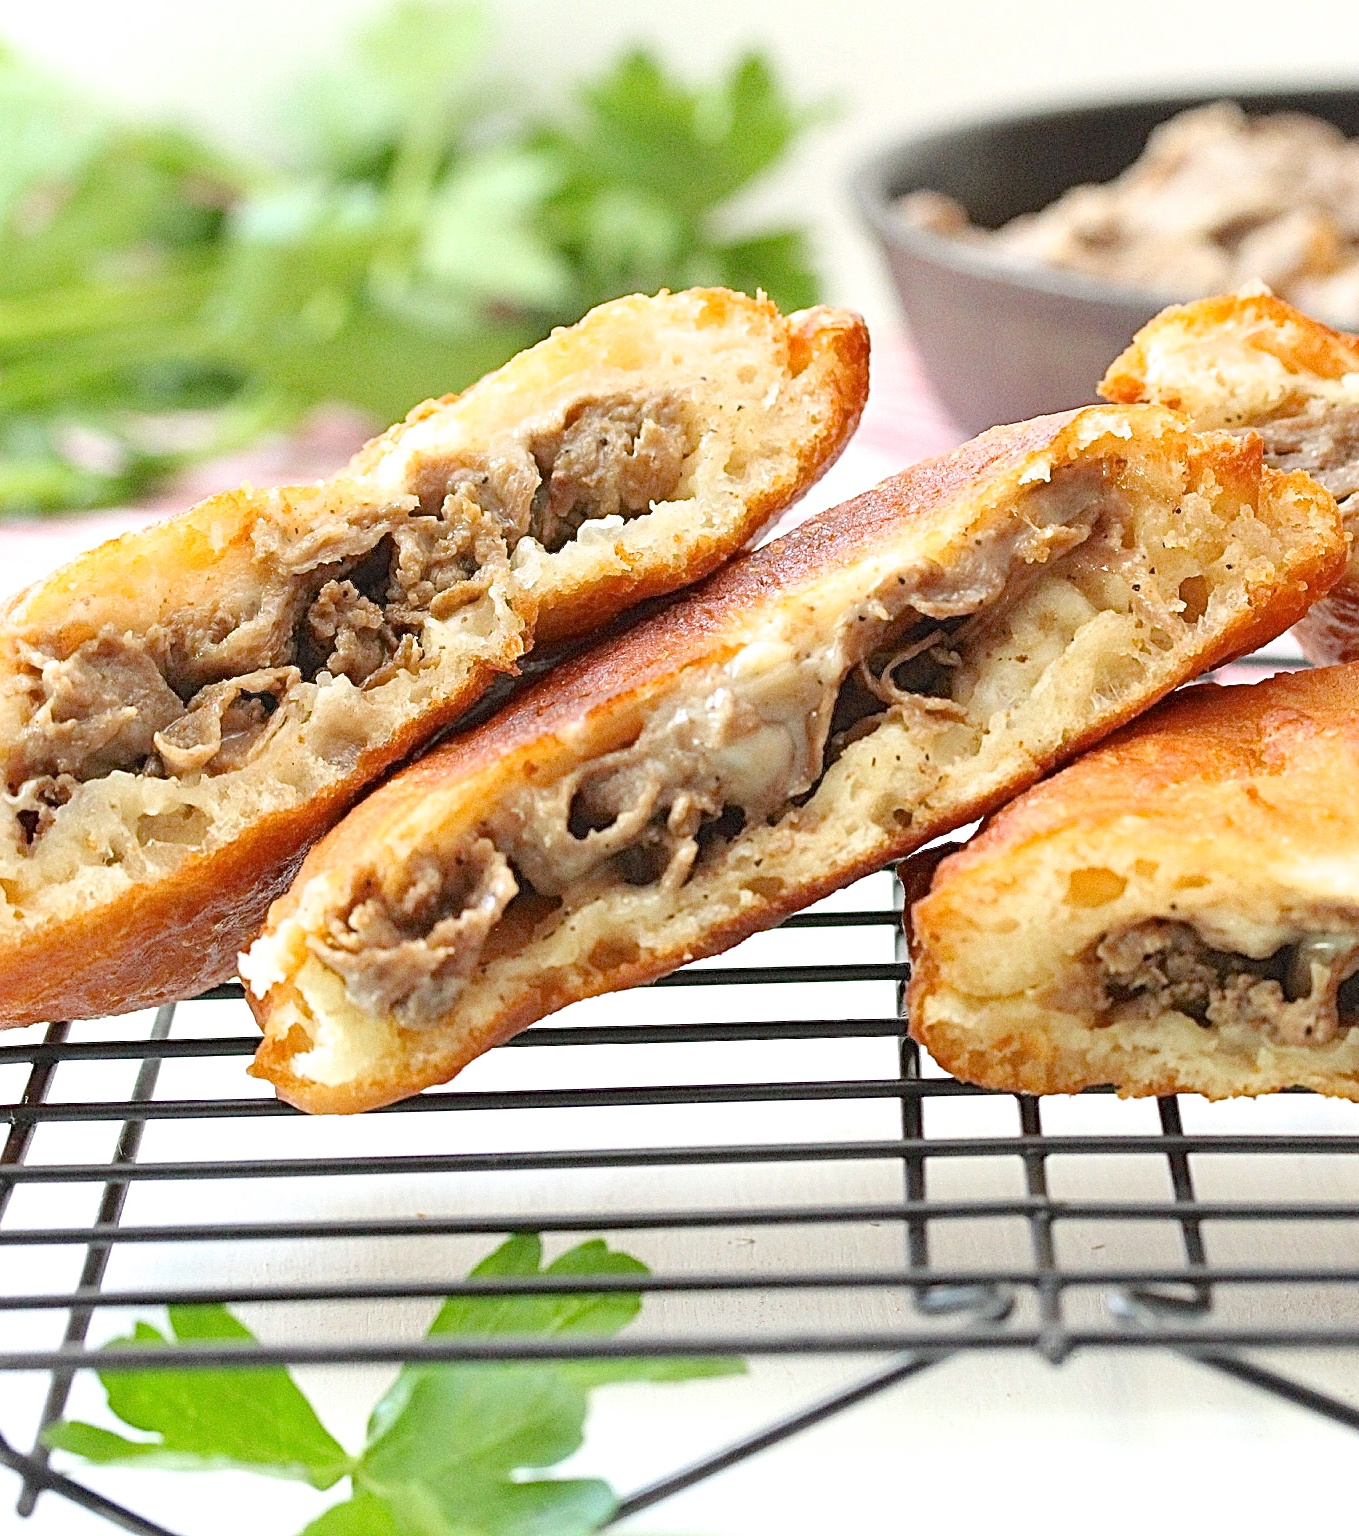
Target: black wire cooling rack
<point>139,1150</point>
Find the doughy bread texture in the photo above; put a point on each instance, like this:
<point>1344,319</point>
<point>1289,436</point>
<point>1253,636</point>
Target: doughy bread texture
<point>887,671</point>
<point>1176,912</point>
<point>1249,361</point>
<point>184,710</point>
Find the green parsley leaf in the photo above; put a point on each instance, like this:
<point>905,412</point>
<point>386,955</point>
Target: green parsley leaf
<point>480,235</point>
<point>650,166</point>
<point>254,1418</point>
<point>604,1312</point>
<point>449,1447</point>
<point>447,1440</point>
<point>510,1417</point>
<point>363,1515</point>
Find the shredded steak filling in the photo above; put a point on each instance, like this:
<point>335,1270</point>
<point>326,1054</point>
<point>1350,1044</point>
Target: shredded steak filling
<point>1322,439</point>
<point>1297,996</point>
<point>412,956</point>
<point>732,750</point>
<point>205,694</point>
<point>612,458</point>
<point>748,743</point>
<point>229,723</point>
<point>745,741</point>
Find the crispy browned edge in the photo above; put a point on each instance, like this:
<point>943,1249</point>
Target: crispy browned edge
<point>1329,632</point>
<point>1202,735</point>
<point>181,935</point>
<point>699,627</point>
<point>841,339</point>
<point>1301,344</point>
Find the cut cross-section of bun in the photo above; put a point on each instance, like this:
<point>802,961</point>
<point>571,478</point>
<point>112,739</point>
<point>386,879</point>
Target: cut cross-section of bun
<point>1249,361</point>
<point>184,710</point>
<point>889,670</point>
<point>1177,912</point>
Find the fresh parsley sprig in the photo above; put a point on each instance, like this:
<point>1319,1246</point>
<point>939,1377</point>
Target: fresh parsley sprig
<point>161,301</point>
<point>451,1450</point>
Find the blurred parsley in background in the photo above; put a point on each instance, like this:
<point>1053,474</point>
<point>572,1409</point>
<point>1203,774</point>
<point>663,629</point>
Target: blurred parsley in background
<point>162,301</point>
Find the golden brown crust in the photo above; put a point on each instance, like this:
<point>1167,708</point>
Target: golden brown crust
<point>1203,735</point>
<point>171,935</point>
<point>921,519</point>
<point>1230,327</point>
<point>828,352</point>
<point>1241,360</point>
<point>1228,809</point>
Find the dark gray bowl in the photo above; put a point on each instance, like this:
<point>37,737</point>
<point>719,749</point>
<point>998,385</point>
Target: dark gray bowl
<point>1001,343</point>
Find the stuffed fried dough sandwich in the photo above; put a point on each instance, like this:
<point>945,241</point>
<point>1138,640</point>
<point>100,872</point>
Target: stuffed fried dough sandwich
<point>888,670</point>
<point>1250,362</point>
<point>186,709</point>
<point>1177,912</point>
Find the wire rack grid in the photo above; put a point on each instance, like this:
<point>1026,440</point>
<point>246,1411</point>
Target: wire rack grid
<point>829,1193</point>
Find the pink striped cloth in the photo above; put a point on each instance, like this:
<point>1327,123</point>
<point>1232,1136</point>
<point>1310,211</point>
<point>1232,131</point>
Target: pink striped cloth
<point>901,424</point>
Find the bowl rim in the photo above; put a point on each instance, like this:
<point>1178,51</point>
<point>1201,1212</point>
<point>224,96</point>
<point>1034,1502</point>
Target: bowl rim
<point>869,179</point>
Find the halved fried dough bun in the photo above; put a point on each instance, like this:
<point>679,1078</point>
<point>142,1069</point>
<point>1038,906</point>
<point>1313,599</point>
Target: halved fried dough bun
<point>888,670</point>
<point>183,711</point>
<point>1177,912</point>
<point>1248,360</point>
